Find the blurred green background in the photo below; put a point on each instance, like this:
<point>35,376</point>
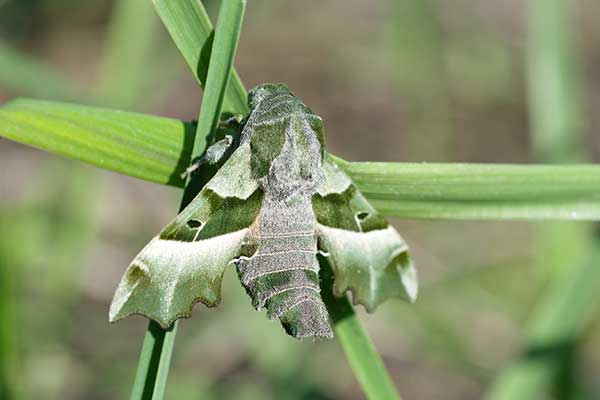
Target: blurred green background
<point>425,80</point>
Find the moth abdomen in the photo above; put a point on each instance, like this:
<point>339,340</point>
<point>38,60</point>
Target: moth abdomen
<point>306,316</point>
<point>265,287</point>
<point>283,273</point>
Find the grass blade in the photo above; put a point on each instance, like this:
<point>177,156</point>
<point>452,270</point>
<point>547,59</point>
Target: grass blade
<point>219,71</point>
<point>147,147</point>
<point>191,30</point>
<point>23,74</point>
<point>159,149</point>
<point>153,367</point>
<point>567,254</point>
<point>420,74</point>
<point>358,347</point>
<point>130,38</point>
<point>555,101</point>
<point>480,191</point>
<point>156,353</point>
<point>9,360</point>
<point>558,320</point>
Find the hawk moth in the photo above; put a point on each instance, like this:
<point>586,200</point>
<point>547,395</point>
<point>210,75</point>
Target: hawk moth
<point>276,202</point>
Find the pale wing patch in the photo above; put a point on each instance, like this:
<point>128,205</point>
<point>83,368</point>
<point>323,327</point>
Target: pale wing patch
<point>168,277</point>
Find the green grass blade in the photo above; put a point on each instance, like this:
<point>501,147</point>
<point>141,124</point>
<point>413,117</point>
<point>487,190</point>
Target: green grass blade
<point>125,63</point>
<point>555,101</point>
<point>480,191</point>
<point>559,319</point>
<point>358,347</point>
<point>420,74</point>
<point>153,367</point>
<point>567,253</point>
<point>191,30</point>
<point>219,71</point>
<point>9,362</point>
<point>147,147</point>
<point>158,150</point>
<point>25,75</point>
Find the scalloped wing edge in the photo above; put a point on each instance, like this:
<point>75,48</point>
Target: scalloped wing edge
<point>176,259</point>
<point>386,264</point>
<point>372,261</point>
<point>149,284</point>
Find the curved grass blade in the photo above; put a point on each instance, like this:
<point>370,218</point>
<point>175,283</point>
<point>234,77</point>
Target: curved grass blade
<point>153,367</point>
<point>567,254</point>
<point>159,149</point>
<point>143,146</point>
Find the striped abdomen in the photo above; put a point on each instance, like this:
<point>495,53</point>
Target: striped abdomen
<point>283,272</point>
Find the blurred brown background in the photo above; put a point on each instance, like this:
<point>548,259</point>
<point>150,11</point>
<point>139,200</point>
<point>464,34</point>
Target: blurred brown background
<point>394,81</point>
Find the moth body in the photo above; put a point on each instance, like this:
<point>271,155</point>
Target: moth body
<point>276,202</point>
<point>281,271</point>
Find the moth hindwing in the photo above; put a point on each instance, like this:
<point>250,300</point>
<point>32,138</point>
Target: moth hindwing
<point>273,204</point>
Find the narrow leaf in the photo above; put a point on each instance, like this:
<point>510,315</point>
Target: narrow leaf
<point>567,254</point>
<point>479,191</point>
<point>158,149</point>
<point>219,71</point>
<point>147,147</point>
<point>191,30</point>
<point>558,320</point>
<point>358,347</point>
<point>130,40</point>
<point>24,74</point>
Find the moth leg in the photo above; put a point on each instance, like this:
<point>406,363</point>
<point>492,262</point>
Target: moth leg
<point>213,155</point>
<point>232,122</point>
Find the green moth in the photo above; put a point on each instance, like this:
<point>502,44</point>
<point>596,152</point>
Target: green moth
<point>277,202</point>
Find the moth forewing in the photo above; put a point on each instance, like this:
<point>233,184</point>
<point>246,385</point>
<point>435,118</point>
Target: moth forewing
<point>185,263</point>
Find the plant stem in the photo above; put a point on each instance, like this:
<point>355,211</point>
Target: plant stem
<point>9,362</point>
<point>367,365</point>
<point>153,367</point>
<point>191,31</point>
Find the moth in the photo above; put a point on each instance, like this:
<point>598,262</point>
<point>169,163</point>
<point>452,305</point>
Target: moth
<point>277,202</point>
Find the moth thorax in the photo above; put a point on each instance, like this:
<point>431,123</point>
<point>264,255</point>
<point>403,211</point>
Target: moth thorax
<point>297,169</point>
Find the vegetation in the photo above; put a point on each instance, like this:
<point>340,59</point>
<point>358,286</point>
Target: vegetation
<point>158,149</point>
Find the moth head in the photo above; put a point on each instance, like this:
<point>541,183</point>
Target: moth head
<point>266,91</point>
